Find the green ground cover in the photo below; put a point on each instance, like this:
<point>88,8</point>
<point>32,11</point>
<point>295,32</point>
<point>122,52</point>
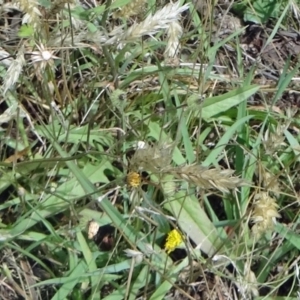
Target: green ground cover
<point>149,149</point>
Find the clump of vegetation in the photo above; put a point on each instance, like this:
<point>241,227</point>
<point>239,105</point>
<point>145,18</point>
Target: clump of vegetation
<point>149,149</point>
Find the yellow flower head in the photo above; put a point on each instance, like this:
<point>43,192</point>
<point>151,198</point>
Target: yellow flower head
<point>133,179</point>
<point>174,239</point>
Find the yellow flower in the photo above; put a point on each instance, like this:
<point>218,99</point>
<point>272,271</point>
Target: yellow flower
<point>174,239</point>
<point>133,179</point>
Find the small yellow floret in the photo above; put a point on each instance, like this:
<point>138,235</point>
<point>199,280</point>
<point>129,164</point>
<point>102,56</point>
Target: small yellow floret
<point>174,239</point>
<point>133,179</point>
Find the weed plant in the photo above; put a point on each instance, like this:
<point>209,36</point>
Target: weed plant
<point>134,164</point>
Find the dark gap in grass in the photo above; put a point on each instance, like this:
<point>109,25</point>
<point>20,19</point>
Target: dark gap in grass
<point>217,205</point>
<point>105,237</point>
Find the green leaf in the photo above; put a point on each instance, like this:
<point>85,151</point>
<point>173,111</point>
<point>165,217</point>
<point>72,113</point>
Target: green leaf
<point>263,10</point>
<point>45,3</point>
<point>215,105</point>
<point>26,31</point>
<point>289,235</point>
<point>91,27</point>
<point>91,265</point>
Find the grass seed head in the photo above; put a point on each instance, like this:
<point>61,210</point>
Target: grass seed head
<point>32,12</point>
<point>264,214</point>
<point>205,178</point>
<point>153,23</point>
<point>154,158</point>
<point>174,33</point>
<point>14,70</point>
<point>5,58</point>
<point>118,99</point>
<point>271,183</point>
<point>273,141</point>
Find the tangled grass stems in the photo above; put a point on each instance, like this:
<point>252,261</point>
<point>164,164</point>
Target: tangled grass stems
<point>82,77</point>
<point>164,19</point>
